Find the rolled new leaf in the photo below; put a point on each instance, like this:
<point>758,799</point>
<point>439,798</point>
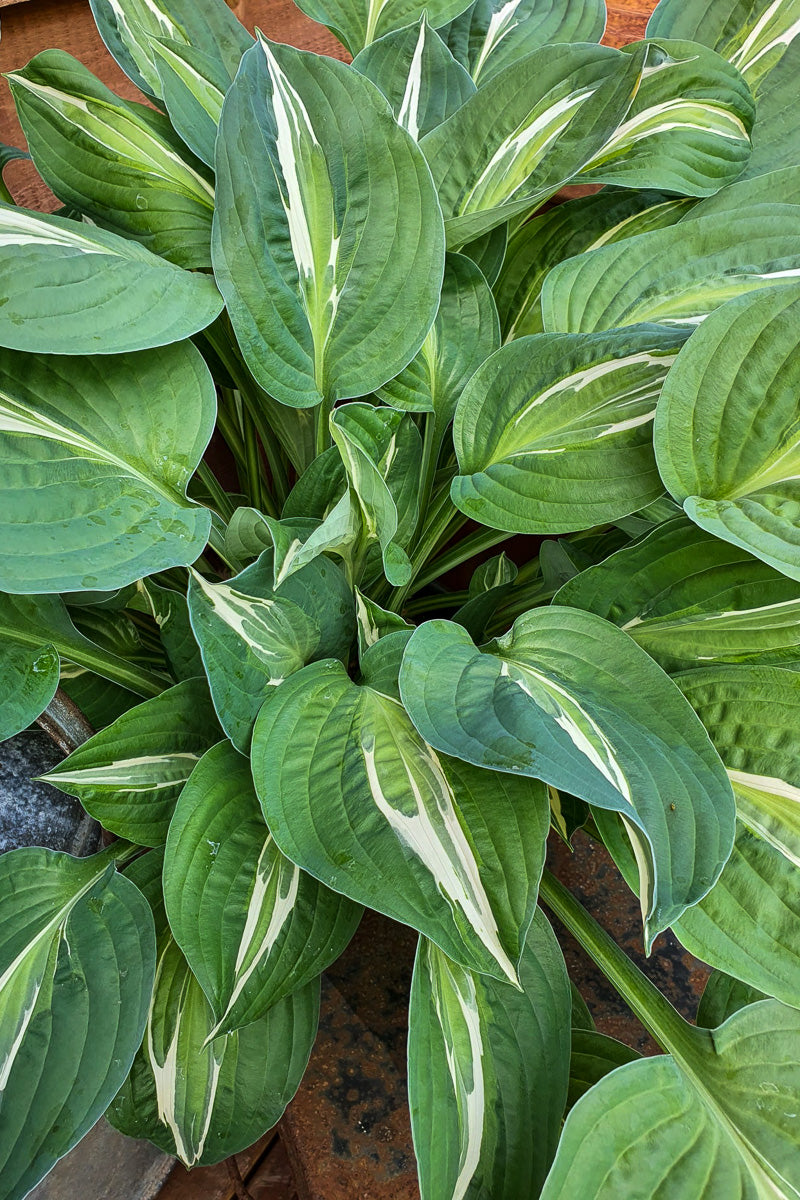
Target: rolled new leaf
<point>488,1068</point>
<point>553,432</point>
<point>77,956</point>
<point>727,430</point>
<point>117,162</point>
<point>204,1100</point>
<point>567,698</point>
<point>690,599</point>
<point>341,296</point>
<point>53,271</point>
<point>89,492</point>
<point>130,775</point>
<point>253,926</point>
<point>129,28</point>
<point>379,816</point>
<point>717,1119</point>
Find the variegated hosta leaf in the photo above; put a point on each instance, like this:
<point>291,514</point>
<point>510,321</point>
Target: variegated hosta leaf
<point>717,1118</point>
<point>727,431</point>
<point>193,87</point>
<point>201,1100</point>
<point>488,1068</point>
<point>465,332</point>
<point>488,588</point>
<point>418,76</point>
<point>567,698</point>
<point>781,186</point>
<point>342,295</point>
<point>748,924</point>
<point>515,142</point>
<point>377,815</point>
<point>553,433</point>
<point>34,632</point>
<point>115,161</point>
<point>130,27</point>
<point>253,926</point>
<point>688,128</point>
<point>371,441</point>
<point>571,229</point>
<point>251,638</point>
<point>492,34</point>
<point>130,774</point>
<point>689,599</point>
<point>318,489</point>
<point>594,1055</point>
<point>170,612</point>
<point>77,955</point>
<point>96,454</point>
<point>776,136</point>
<point>52,271</point>
<point>358,23</point>
<point>375,623</point>
<point>674,276</point>
<point>8,154</point>
<point>295,541</point>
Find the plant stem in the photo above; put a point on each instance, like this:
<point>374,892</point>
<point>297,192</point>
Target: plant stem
<point>475,543</point>
<point>654,1011</point>
<point>216,491</point>
<point>425,604</point>
<point>443,520</point>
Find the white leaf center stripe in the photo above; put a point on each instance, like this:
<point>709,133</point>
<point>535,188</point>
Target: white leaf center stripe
<point>581,728</point>
<point>518,154</point>
<point>253,619</point>
<point>165,23</point>
<point>408,115</point>
<point>20,420</point>
<point>674,114</point>
<point>286,877</point>
<point>500,24</point>
<point>21,228</point>
<point>440,844</point>
<point>766,783</point>
<point>468,1078</point>
<point>126,137</point>
<point>750,51</point>
<point>318,278</point>
<point>583,379</point>
<point>168,1075</point>
<point>129,771</point>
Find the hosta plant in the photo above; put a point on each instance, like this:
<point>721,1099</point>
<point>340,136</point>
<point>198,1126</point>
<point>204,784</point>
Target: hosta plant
<point>323,672</point>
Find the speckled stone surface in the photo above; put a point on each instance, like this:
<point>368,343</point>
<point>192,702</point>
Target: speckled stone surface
<point>31,813</point>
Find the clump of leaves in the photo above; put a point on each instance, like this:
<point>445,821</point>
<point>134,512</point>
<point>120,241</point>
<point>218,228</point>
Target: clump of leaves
<point>314,691</point>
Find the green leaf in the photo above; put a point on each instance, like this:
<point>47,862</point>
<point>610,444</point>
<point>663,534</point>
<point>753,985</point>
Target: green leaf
<point>567,698</point>
<point>688,599</point>
<point>488,252</point>
<point>113,160</point>
<point>357,23</point>
<point>8,154</point>
<point>776,136</point>
<point>204,1102</point>
<point>418,76</point>
<point>688,128</point>
<point>520,138</point>
<point>193,87</point>
<point>53,271</point>
<point>129,29</point>
<point>170,611</point>
<point>375,623</point>
<point>488,1069</point>
<point>34,632</point>
<point>371,441</point>
<point>253,926</point>
<point>727,430</point>
<point>251,638</point>
<point>776,187</point>
<point>570,229</point>
<point>593,1056</point>
<point>674,276</point>
<point>129,776</point>
<point>718,1119</point>
<point>77,955</point>
<point>377,815</point>
<point>722,997</point>
<point>95,457</point>
<point>492,34</point>
<point>100,701</point>
<point>295,541</point>
<point>319,487</point>
<point>553,433</point>
<point>465,332</point>
<point>342,297</point>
